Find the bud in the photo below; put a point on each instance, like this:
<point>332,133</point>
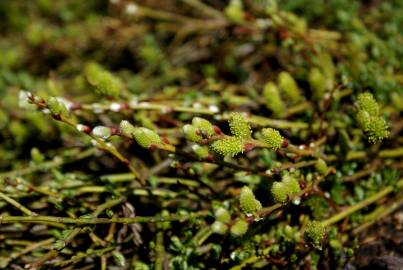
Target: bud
<point>321,167</point>
<point>234,11</point>
<point>279,192</point>
<point>37,156</point>
<point>203,125</point>
<point>317,83</point>
<point>104,82</point>
<point>272,137</point>
<point>228,146</point>
<point>146,137</point>
<point>314,233</point>
<point>291,183</point>
<point>290,88</point>
<point>273,99</point>
<point>191,133</point>
<point>119,258</point>
<point>283,190</point>
<point>239,126</point>
<point>367,103</point>
<point>200,151</point>
<point>222,215</point>
<point>249,204</point>
<point>239,228</point>
<point>56,107</point>
<point>126,128</point>
<point>102,132</point>
<point>219,227</point>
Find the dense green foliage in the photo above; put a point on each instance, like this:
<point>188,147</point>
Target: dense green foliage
<point>197,134</point>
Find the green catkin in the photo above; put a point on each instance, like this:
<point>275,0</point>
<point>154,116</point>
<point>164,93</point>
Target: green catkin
<point>272,137</point>
<point>363,119</point>
<point>36,156</point>
<point>289,87</point>
<point>239,228</point>
<point>279,192</point>
<point>239,126</point>
<point>203,125</point>
<point>367,102</point>
<point>291,183</point>
<point>104,82</point>
<point>56,107</point>
<point>273,99</point>
<point>146,137</point>
<point>377,130</point>
<point>314,233</point>
<point>282,191</point>
<point>234,11</point>
<point>317,83</point>
<point>249,204</point>
<point>321,167</point>
<point>369,120</point>
<point>127,129</point>
<point>229,146</point>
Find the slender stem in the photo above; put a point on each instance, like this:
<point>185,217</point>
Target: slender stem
<point>69,238</point>
<point>16,204</point>
<point>107,147</point>
<point>354,208</point>
<point>379,213</point>
<point>391,153</point>
<point>48,164</point>
<point>147,106</point>
<point>90,220</point>
<point>160,251</point>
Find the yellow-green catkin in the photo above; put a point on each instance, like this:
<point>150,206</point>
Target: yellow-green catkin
<point>234,11</point>
<point>104,82</point>
<point>284,190</point>
<point>367,102</point>
<point>289,87</point>
<point>273,99</point>
<point>229,146</point>
<point>56,107</point>
<point>239,126</point>
<point>369,120</point>
<point>239,228</point>
<point>146,137</point>
<point>321,167</point>
<point>314,233</point>
<point>317,83</point>
<point>272,137</point>
<point>248,202</point>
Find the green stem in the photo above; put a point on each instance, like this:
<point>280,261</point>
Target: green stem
<point>379,213</point>
<point>90,220</point>
<point>352,209</point>
<point>49,164</point>
<point>391,153</point>
<point>16,204</point>
<point>160,251</point>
